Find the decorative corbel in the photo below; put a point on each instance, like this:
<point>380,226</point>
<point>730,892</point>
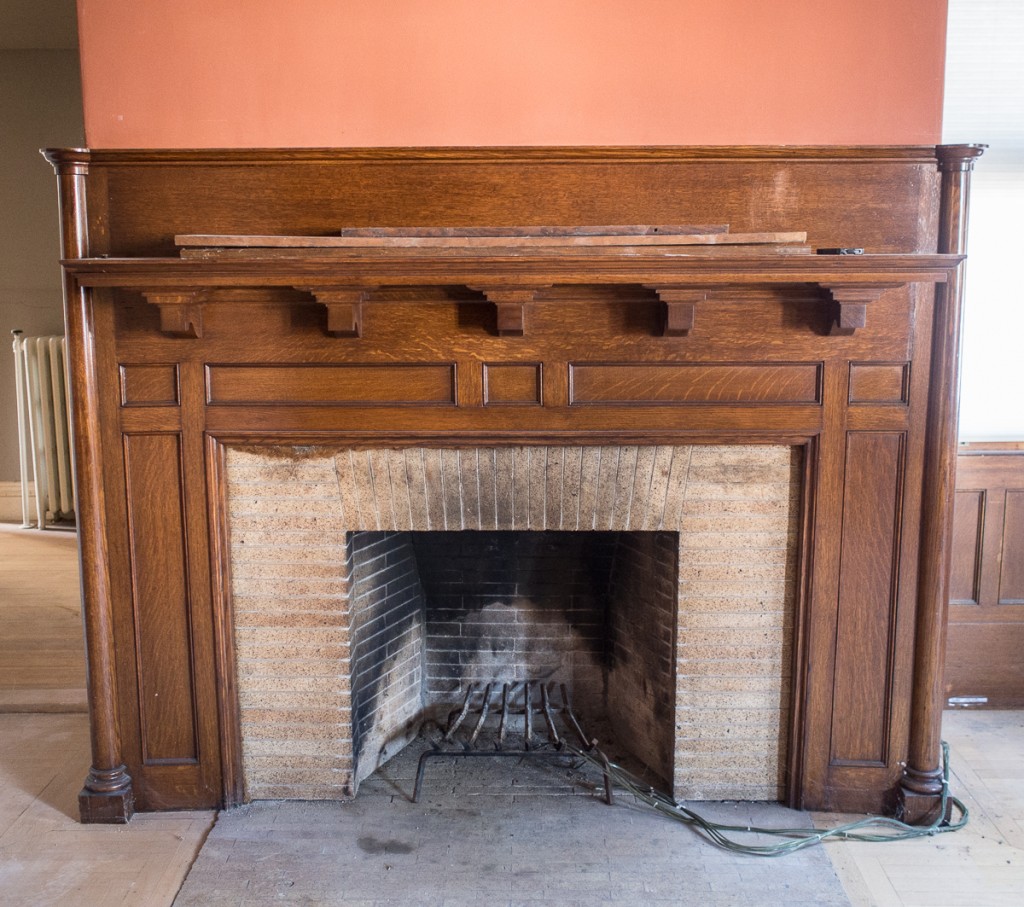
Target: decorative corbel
<point>344,308</point>
<point>680,308</point>
<point>510,303</point>
<point>181,311</point>
<point>851,306</point>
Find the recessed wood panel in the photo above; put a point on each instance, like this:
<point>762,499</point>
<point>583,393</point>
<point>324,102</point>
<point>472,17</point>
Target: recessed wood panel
<point>1011,578</point>
<point>983,662</point>
<point>986,634</point>
<point>332,385</point>
<point>512,383</point>
<point>867,589</point>
<point>156,527</point>
<point>149,385</point>
<point>879,383</point>
<point>968,523</point>
<point>686,384</point>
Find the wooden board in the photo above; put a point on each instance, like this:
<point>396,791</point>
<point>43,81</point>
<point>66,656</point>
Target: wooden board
<point>464,253</point>
<point>490,241</point>
<point>616,230</point>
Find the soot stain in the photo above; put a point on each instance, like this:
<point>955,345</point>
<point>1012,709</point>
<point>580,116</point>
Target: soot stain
<point>372,845</point>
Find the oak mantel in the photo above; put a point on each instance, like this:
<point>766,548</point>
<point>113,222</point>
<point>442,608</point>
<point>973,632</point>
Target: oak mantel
<point>852,359</point>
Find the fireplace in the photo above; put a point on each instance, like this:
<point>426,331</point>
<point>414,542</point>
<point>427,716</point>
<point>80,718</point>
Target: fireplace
<point>740,454</point>
<point>371,588</point>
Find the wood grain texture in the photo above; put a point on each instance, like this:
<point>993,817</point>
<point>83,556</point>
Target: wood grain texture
<point>108,795</point>
<point>149,385</point>
<point>637,382</point>
<point>885,383</point>
<point>493,186</point>
<point>968,539</point>
<point>1011,576</point>
<point>153,471</point>
<point>172,278</point>
<point>405,384</point>
<point>512,384</point>
<point>867,602</point>
<point>487,238</point>
<point>922,781</point>
<point>986,614</point>
<point>756,363</point>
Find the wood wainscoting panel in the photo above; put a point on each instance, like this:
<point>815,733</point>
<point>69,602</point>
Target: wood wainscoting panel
<point>879,382</point>
<point>1011,574</point>
<point>153,470</point>
<point>968,535</point>
<point>149,385</point>
<point>636,382</point>
<point>867,597</point>
<point>512,383</point>
<point>984,662</point>
<point>331,385</point>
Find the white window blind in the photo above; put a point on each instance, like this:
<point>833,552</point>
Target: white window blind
<point>984,96</point>
<point>984,102</point>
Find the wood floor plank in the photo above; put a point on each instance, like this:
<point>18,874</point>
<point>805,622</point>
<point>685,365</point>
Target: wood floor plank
<point>982,864</point>
<point>48,857</point>
<point>41,645</point>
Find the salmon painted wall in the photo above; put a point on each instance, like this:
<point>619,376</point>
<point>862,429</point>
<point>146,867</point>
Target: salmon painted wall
<point>294,73</point>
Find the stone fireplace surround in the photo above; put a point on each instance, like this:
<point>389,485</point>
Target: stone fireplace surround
<point>328,603</point>
<point>184,364</point>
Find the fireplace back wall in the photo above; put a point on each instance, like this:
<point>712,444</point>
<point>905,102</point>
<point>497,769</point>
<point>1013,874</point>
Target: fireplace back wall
<point>185,367</point>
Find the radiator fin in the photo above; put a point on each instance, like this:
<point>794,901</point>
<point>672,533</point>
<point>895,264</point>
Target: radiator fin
<point>44,430</point>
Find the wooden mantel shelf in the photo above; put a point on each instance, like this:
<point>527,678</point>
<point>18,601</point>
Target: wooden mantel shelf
<point>343,282</point>
<point>623,265</point>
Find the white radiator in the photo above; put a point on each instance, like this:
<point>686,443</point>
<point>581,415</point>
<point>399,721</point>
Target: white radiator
<point>44,433</point>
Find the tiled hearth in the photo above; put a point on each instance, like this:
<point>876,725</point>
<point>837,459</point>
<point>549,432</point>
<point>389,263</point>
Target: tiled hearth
<point>369,586</point>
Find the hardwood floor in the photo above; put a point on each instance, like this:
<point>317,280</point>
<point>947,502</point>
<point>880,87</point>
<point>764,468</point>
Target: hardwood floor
<point>47,857</point>
<point>42,660</point>
<point>980,866</point>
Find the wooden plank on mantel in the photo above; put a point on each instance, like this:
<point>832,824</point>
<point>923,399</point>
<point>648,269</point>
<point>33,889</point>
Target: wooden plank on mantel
<point>614,230</point>
<point>485,242</point>
<point>467,253</point>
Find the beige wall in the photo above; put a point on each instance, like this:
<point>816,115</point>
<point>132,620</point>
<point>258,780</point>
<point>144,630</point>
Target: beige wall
<point>40,105</point>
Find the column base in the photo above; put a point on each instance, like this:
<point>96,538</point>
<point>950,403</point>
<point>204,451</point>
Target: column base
<point>107,797</point>
<point>920,797</point>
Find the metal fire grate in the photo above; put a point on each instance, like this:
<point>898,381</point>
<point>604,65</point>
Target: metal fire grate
<point>528,717</point>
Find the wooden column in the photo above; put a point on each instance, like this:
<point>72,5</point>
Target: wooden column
<point>922,777</point>
<point>107,795</point>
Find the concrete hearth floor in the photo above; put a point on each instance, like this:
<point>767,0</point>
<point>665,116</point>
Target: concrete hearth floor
<point>492,831</point>
<point>501,837</point>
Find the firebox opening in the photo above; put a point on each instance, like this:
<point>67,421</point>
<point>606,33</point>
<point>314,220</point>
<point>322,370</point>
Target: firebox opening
<point>436,611</point>
<point>329,600</point>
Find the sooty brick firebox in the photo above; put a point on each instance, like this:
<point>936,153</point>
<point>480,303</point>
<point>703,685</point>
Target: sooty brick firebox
<point>657,583</point>
<point>264,343</point>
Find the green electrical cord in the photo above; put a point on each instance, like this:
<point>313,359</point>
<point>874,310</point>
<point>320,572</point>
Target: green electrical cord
<point>798,838</point>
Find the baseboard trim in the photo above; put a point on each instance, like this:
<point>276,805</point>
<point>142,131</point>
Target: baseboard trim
<point>10,502</point>
<point>39,700</point>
